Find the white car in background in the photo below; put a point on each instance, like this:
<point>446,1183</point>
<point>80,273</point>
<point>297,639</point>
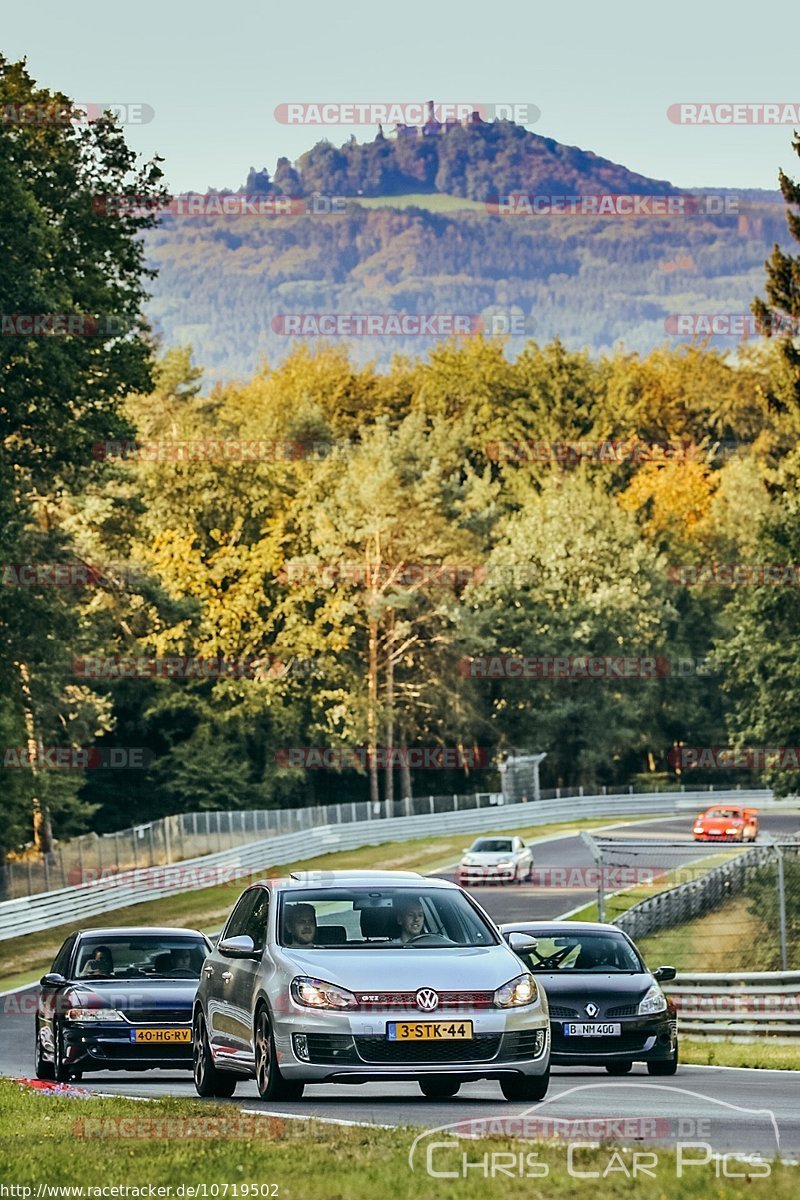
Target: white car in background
<point>496,860</point>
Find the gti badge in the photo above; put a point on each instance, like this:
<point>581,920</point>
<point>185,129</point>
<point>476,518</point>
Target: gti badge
<point>592,1010</point>
<point>427,999</point>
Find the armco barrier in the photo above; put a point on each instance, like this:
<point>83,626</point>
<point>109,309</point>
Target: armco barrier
<point>31,914</point>
<point>738,1006</point>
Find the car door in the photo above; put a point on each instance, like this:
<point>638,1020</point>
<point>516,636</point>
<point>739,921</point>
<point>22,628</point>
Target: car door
<point>245,975</point>
<point>224,1031</point>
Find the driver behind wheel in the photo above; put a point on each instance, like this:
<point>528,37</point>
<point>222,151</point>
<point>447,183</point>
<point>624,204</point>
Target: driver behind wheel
<point>410,917</point>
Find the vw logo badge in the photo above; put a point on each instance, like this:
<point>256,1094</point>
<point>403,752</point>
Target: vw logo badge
<point>592,1010</point>
<point>427,999</point>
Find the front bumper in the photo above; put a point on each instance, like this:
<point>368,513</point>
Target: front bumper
<point>98,1047</point>
<point>706,835</point>
<point>641,1039</point>
<point>315,1048</point>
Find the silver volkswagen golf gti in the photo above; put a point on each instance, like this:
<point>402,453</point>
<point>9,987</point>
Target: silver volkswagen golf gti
<point>350,977</point>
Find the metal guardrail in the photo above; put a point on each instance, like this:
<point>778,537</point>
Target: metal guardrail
<point>695,898</point>
<point>738,1006</point>
<point>32,914</point>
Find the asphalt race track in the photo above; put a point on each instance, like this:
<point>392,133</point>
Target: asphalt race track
<point>746,1112</point>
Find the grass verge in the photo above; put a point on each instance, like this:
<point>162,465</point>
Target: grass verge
<point>51,1140</point>
<point>24,959</point>
<point>762,1054</point>
<point>729,938</point>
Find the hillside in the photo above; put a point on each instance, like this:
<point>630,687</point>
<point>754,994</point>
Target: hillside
<point>426,243</point>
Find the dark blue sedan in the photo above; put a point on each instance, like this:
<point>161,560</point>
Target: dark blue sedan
<point>119,1000</point>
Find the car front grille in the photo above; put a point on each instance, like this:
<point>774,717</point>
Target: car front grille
<point>158,1016</point>
<point>626,1042</point>
<point>527,1043</point>
<point>563,1014</point>
<point>140,1052</point>
<point>623,1010</point>
<point>383,1050</point>
<point>370,1001</point>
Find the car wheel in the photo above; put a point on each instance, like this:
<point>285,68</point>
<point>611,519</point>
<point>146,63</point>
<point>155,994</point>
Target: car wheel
<point>61,1072</point>
<point>269,1081</point>
<point>208,1081</point>
<point>618,1068</point>
<point>666,1066</point>
<point>525,1087</point>
<point>439,1088</point>
<point>42,1069</point>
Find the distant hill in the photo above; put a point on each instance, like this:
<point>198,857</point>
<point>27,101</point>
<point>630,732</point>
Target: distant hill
<point>226,282</point>
<point>472,160</point>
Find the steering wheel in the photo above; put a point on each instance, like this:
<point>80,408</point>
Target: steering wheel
<point>181,973</point>
<point>551,961</point>
<point>430,939</point>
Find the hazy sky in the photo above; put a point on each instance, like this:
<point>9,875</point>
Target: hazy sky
<point>603,75</point>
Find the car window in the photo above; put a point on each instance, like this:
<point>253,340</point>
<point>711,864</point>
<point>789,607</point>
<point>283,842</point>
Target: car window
<point>61,962</point>
<point>390,918</point>
<point>236,925</point>
<point>492,846</point>
<point>256,923</point>
<point>113,956</point>
<point>581,952</point>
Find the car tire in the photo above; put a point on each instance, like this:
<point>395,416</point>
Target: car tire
<point>208,1080</point>
<point>42,1069</point>
<point>622,1068</point>
<point>439,1087</point>
<point>61,1072</point>
<point>525,1087</point>
<point>269,1081</point>
<point>664,1066</point>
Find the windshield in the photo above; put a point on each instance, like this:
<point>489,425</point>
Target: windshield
<point>115,957</point>
<point>381,918</point>
<point>582,952</point>
<point>491,846</point>
<point>726,814</point>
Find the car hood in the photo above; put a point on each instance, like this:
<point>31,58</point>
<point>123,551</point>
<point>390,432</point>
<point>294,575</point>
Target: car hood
<point>582,987</point>
<point>130,996</point>
<point>719,822</point>
<point>466,968</point>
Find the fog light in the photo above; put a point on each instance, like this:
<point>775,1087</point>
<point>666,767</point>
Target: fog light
<point>301,1046</point>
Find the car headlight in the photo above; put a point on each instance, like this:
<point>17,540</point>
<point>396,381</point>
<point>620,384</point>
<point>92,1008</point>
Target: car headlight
<point>467,860</point>
<point>516,992</point>
<point>733,829</point>
<point>506,862</point>
<point>653,1001</point>
<point>93,1014</point>
<point>316,993</point>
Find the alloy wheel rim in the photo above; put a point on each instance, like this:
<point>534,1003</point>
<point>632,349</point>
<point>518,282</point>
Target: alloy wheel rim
<point>199,1064</point>
<point>262,1054</point>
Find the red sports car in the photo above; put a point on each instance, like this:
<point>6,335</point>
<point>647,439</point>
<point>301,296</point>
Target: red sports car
<point>726,824</point>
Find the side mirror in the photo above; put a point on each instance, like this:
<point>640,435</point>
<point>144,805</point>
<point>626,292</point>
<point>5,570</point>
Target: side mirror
<point>53,979</point>
<point>664,973</point>
<point>520,942</point>
<point>238,947</point>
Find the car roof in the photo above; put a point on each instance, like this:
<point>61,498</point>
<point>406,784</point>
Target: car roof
<point>139,931</point>
<point>334,879</point>
<point>562,926</point>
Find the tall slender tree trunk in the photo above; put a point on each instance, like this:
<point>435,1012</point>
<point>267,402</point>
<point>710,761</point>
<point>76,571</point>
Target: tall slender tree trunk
<point>405,771</point>
<point>372,711</point>
<point>42,826</point>
<point>390,716</point>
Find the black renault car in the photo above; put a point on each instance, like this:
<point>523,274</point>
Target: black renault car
<point>119,1000</point>
<point>606,1008</point>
